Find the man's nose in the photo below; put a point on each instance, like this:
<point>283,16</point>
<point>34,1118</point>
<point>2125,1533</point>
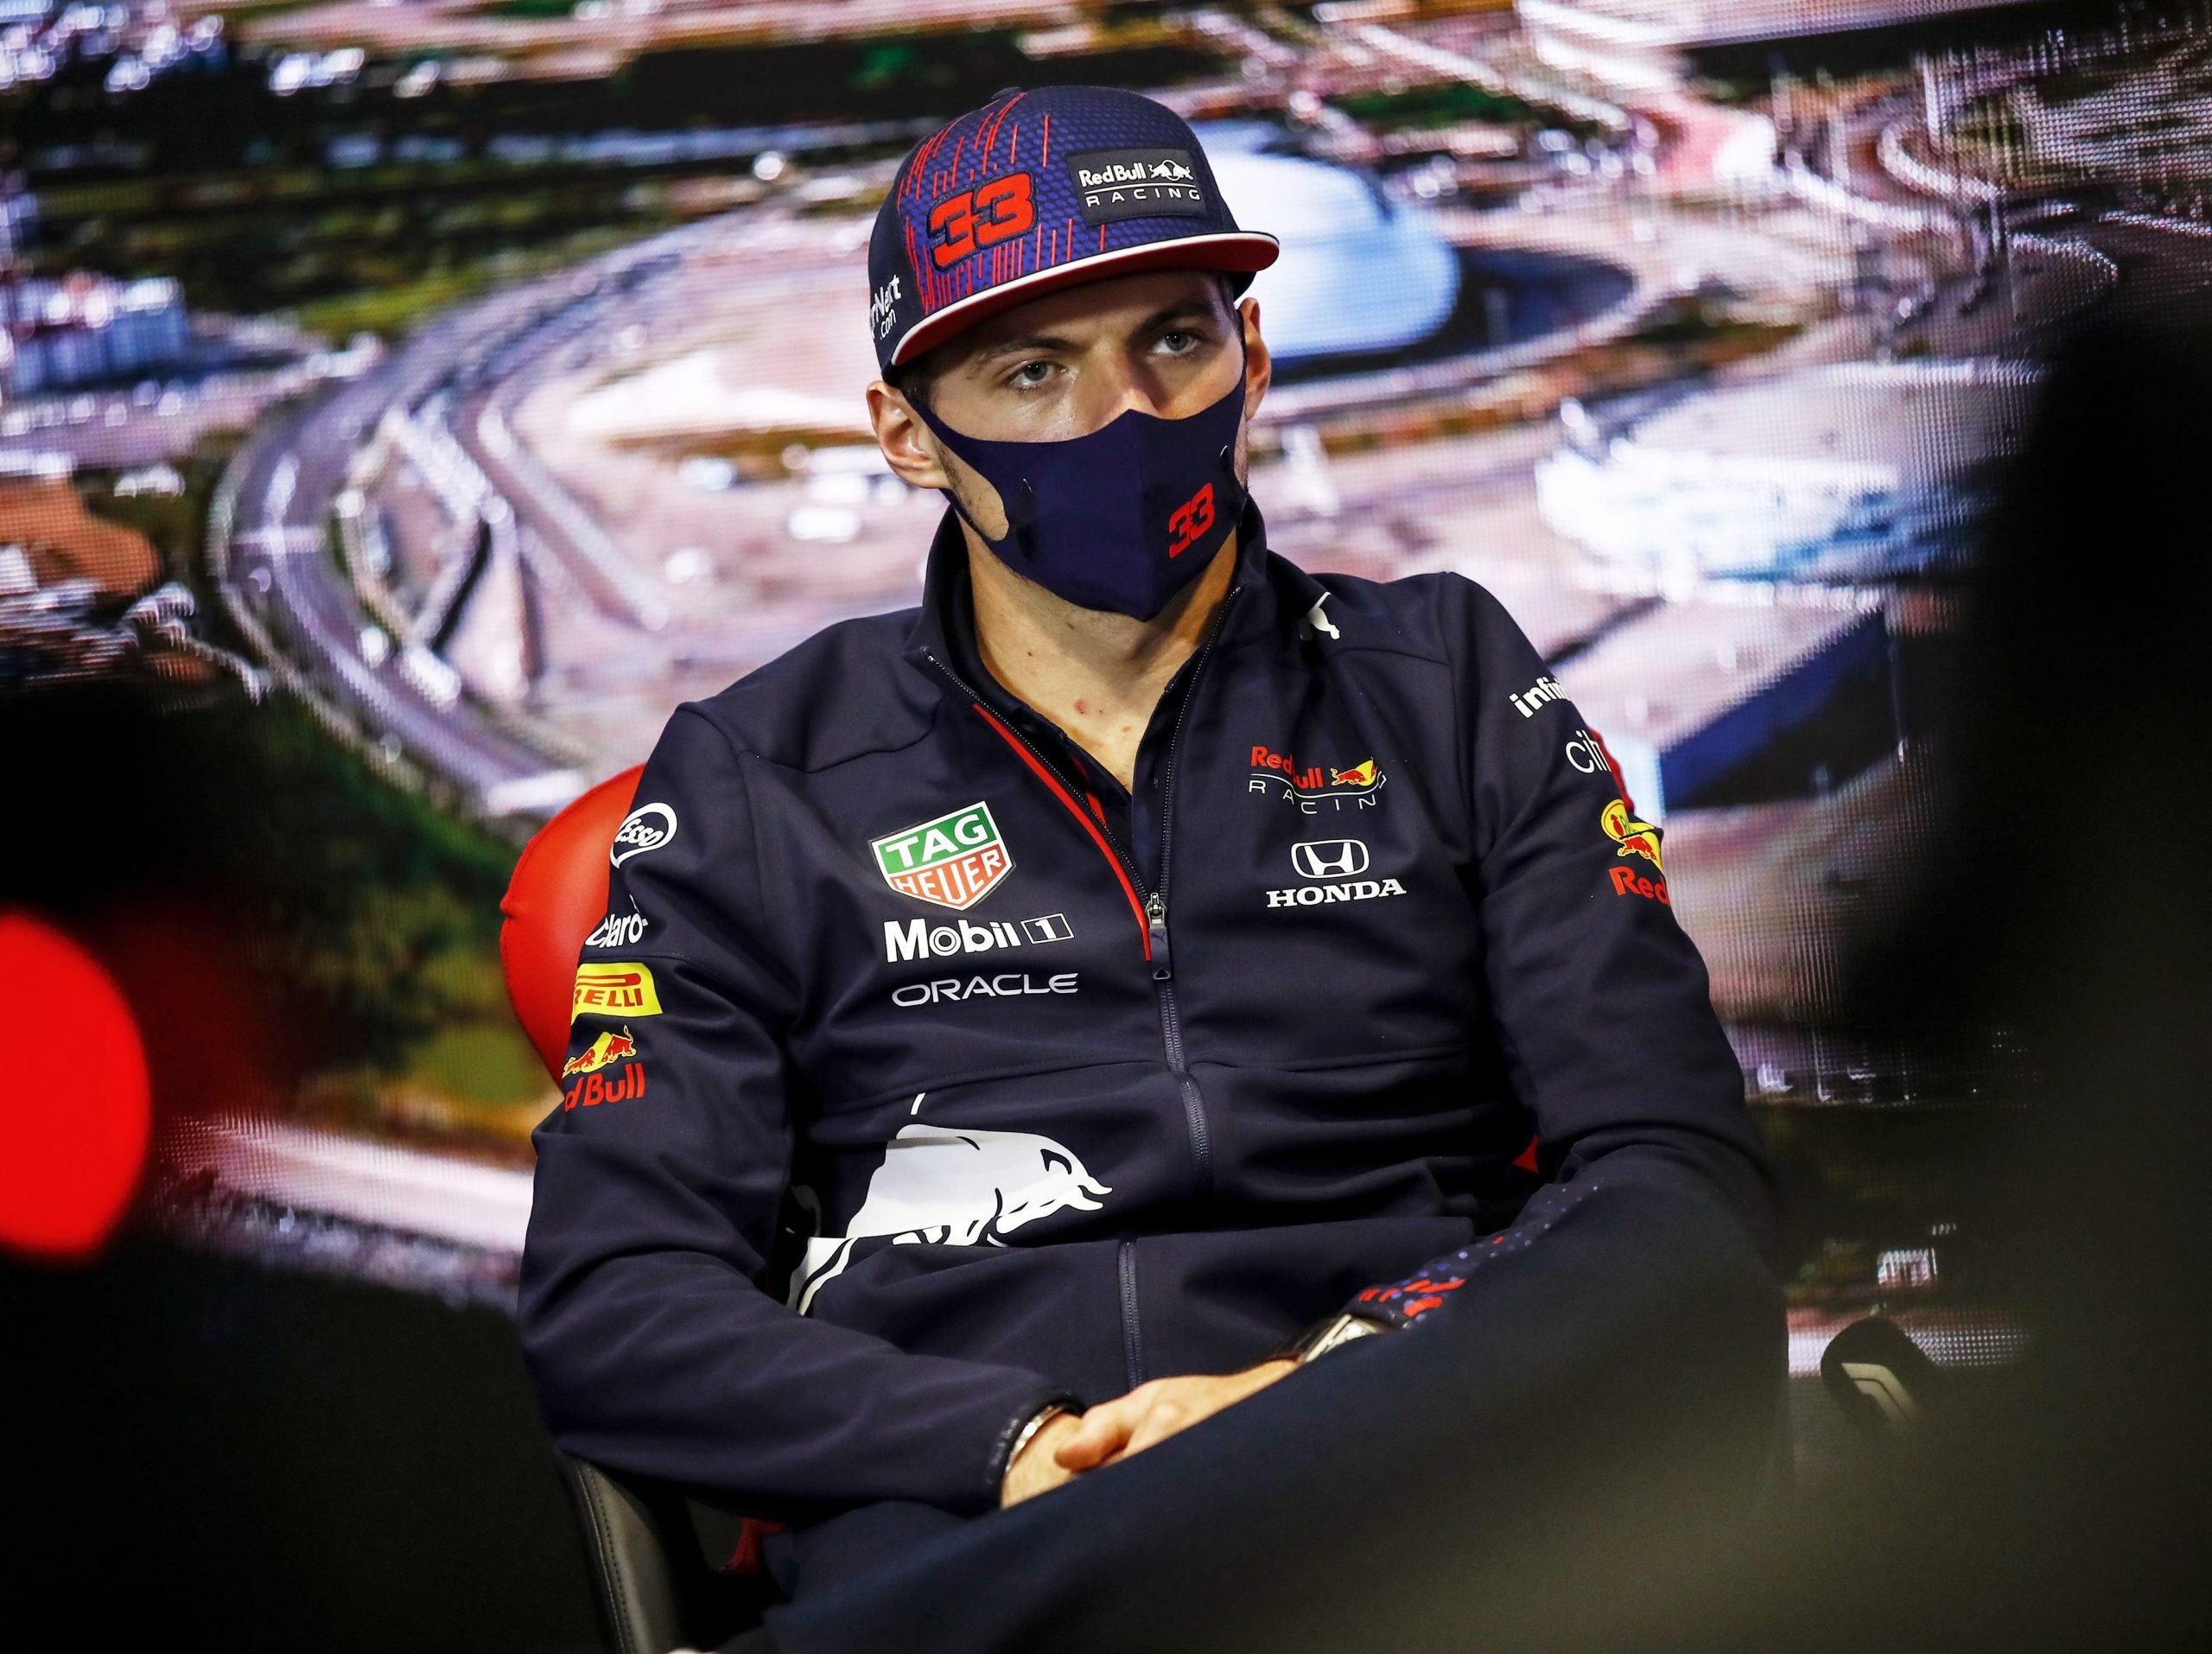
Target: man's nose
<point>1130,387</point>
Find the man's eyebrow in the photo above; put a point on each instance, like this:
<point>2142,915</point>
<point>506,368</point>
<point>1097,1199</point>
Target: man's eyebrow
<point>1176,312</point>
<point>1020,342</point>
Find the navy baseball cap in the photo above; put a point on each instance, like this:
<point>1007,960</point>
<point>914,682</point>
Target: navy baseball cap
<point>1037,191</point>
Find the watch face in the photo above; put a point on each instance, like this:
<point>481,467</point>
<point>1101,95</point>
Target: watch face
<point>1343,1330</point>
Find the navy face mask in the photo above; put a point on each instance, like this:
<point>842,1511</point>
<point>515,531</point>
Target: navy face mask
<point>1122,519</point>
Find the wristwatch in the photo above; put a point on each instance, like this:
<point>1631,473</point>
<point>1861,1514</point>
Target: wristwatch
<point>1044,1416</point>
<point>1332,1335</point>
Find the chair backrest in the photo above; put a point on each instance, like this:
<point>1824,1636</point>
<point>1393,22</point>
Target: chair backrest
<point>627,1543</point>
<point>667,1571</point>
<point>649,1550</point>
<point>557,896</point>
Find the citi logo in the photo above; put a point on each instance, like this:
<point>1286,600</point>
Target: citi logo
<point>1533,699</point>
<point>1329,858</point>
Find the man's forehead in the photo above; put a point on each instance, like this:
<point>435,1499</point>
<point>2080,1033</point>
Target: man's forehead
<point>1109,305</point>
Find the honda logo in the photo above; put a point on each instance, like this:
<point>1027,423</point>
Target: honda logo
<point>1329,858</point>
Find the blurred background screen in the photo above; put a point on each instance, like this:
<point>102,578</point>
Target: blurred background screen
<point>402,407</point>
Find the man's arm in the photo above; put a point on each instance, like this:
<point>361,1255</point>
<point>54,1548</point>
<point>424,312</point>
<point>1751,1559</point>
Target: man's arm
<point>1601,1002</point>
<point>1607,1021</point>
<point>653,1346</point>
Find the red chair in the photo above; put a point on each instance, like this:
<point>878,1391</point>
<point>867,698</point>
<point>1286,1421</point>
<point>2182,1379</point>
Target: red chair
<point>669,1570</point>
<point>557,896</point>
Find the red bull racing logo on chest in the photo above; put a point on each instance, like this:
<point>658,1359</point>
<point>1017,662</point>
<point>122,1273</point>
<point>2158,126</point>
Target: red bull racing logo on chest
<point>1316,789</point>
<point>954,862</point>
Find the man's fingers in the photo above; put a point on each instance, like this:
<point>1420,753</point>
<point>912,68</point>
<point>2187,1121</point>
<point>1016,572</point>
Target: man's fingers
<point>1152,1412</point>
<point>1101,1434</point>
<point>1160,1422</point>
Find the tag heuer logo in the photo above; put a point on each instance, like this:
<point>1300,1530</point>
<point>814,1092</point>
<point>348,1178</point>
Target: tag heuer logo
<point>955,861</point>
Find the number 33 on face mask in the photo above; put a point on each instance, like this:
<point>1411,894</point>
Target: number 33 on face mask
<point>982,217</point>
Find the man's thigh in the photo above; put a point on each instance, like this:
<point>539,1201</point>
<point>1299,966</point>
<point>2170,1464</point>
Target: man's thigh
<point>806,1561</point>
<point>1604,1402</point>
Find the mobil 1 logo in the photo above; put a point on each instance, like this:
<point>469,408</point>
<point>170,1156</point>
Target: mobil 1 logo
<point>917,938</point>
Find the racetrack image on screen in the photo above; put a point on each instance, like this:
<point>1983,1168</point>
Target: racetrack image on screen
<point>402,409</point>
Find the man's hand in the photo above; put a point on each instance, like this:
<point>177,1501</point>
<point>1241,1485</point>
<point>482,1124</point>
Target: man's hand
<point>1151,1413</point>
<point>1034,1470</point>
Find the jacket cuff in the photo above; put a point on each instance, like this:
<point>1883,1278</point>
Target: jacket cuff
<point>1002,1446</point>
<point>1403,1302</point>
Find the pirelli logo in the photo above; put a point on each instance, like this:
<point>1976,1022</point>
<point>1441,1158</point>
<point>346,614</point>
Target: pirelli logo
<point>617,989</point>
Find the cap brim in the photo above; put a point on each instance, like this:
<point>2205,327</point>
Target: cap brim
<point>1238,251</point>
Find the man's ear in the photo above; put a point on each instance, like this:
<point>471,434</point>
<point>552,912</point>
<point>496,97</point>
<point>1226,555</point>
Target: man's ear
<point>905,441</point>
<point>1259,366</point>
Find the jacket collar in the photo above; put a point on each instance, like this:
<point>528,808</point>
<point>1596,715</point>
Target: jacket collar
<point>1267,591</point>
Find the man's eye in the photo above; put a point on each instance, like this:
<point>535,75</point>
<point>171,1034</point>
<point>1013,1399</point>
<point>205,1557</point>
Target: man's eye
<point>1190,341</point>
<point>1023,378</point>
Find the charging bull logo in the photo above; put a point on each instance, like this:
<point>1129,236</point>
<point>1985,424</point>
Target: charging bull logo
<point>1357,775</point>
<point>1635,837</point>
<point>944,1188</point>
<point>609,1048</point>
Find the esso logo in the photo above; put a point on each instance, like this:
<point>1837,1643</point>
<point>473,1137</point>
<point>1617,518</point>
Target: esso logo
<point>646,828</point>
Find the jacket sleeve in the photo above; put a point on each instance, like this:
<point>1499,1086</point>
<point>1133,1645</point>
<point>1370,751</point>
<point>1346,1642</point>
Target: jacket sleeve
<point>1600,1001</point>
<point>653,1343</point>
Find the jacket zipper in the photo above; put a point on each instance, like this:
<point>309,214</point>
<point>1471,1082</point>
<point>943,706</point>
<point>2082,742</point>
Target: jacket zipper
<point>1131,1331</point>
<point>1052,779</point>
<point>1162,956</point>
<point>1152,912</point>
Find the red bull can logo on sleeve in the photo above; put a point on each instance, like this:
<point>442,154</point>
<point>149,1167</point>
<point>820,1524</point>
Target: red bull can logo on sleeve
<point>607,1048</point>
<point>1635,837</point>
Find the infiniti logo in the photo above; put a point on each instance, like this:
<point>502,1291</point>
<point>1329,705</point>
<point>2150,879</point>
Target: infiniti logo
<point>1329,858</point>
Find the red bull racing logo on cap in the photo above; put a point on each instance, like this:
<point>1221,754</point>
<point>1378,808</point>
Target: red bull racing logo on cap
<point>954,862</point>
<point>1114,184</point>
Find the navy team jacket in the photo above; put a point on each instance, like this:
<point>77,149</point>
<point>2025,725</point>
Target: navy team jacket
<point>919,1077</point>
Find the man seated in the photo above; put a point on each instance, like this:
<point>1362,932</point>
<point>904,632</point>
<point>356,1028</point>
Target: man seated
<point>1043,1020</point>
